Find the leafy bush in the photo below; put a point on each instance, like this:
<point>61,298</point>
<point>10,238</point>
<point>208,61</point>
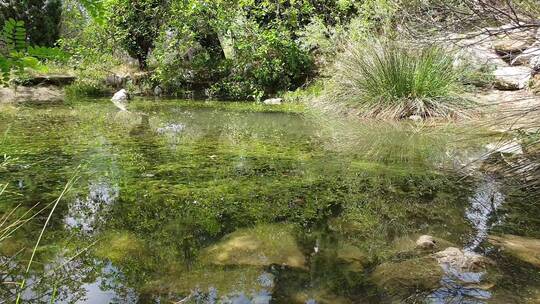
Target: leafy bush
<point>265,61</point>
<point>386,79</point>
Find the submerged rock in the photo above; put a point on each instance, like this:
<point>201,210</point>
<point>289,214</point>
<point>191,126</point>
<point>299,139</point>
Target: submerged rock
<point>352,256</point>
<point>263,245</point>
<point>525,249</point>
<point>512,77</point>
<point>120,246</point>
<point>273,101</point>
<point>402,278</point>
<point>318,296</point>
<point>220,283</point>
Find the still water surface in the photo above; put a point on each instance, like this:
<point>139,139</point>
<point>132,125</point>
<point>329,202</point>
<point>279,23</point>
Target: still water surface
<point>194,202</point>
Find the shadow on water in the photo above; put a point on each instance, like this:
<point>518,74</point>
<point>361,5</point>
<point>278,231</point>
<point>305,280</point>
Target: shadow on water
<point>190,202</point>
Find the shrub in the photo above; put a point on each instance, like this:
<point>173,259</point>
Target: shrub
<point>385,79</point>
<point>265,62</point>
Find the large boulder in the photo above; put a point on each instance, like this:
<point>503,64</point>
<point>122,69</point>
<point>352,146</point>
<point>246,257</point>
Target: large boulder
<point>509,46</point>
<point>475,51</point>
<point>512,77</point>
<point>523,248</point>
<point>31,94</point>
<point>262,245</point>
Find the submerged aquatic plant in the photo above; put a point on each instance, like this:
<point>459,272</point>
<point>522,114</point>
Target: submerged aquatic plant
<point>387,79</point>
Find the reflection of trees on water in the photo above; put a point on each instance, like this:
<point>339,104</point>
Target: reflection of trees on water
<point>66,278</point>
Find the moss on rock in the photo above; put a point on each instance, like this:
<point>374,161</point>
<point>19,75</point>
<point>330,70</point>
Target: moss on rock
<point>402,278</point>
<point>261,245</point>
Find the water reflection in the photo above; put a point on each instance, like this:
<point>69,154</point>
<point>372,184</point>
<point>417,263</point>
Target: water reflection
<point>84,213</point>
<point>265,282</point>
<point>484,204</point>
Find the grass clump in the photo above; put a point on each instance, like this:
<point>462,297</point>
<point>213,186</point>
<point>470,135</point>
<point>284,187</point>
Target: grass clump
<point>386,79</point>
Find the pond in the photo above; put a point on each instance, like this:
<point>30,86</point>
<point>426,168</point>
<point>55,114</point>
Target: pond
<point>212,202</point>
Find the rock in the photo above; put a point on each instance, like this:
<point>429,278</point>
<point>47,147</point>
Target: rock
<point>529,57</point>
<point>158,91</point>
<point>508,37</point>
<point>262,245</point>
<point>223,282</point>
<point>534,62</point>
<point>416,118</point>
<point>535,83</point>
<point>352,256</point>
<point>31,94</point>
<point>425,242</point>
<point>512,78</point>
<point>273,101</point>
<point>317,296</point>
<point>121,95</point>
<point>459,260</point>
<point>410,276</point>
<point>120,246</point>
<point>414,245</point>
<point>120,99</point>
<point>511,45</point>
<point>525,249</point>
<point>476,52</point>
<point>116,81</point>
<point>50,80</point>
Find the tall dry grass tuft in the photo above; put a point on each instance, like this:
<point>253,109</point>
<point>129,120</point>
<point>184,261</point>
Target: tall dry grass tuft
<point>391,80</point>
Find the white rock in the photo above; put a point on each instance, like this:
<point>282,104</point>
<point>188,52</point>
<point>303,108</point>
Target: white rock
<point>120,99</point>
<point>416,118</point>
<point>121,95</point>
<point>273,101</point>
<point>512,77</point>
<point>425,242</point>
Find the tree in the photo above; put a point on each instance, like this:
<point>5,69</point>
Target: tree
<point>138,23</point>
<point>42,18</point>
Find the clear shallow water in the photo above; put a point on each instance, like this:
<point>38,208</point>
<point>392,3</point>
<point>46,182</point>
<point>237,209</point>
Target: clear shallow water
<point>241,203</point>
